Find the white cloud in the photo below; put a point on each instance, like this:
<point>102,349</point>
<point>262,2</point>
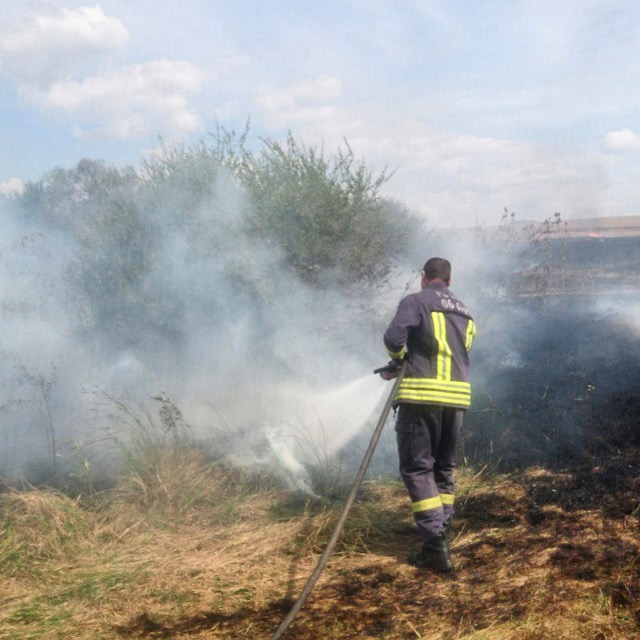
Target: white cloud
<point>50,47</point>
<point>132,101</point>
<point>455,178</point>
<point>623,140</point>
<point>12,187</point>
<point>56,60</point>
<point>304,101</point>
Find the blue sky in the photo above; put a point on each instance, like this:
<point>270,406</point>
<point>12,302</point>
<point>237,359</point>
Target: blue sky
<point>529,105</point>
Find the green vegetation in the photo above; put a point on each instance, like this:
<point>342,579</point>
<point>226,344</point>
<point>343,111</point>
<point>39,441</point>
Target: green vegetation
<point>324,214</point>
<point>216,206</point>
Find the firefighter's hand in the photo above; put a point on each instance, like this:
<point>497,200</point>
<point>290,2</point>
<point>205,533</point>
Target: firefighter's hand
<point>390,371</point>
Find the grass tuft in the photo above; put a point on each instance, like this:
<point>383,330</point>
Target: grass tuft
<point>38,526</point>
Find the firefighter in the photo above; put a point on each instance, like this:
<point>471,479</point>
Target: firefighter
<point>432,330</point>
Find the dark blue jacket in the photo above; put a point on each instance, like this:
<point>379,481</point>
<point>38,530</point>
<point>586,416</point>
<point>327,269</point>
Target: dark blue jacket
<point>433,330</point>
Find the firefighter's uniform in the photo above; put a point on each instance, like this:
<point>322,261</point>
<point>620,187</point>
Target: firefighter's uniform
<point>433,331</point>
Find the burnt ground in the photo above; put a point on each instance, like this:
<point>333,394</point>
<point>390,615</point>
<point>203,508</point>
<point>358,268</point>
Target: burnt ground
<point>542,554</point>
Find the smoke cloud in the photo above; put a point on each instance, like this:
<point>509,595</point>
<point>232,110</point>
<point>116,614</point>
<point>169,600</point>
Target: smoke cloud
<point>555,373</point>
<point>246,352</point>
<point>150,308</point>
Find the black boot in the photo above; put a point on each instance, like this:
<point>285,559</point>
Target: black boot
<point>434,555</point>
<point>446,531</point>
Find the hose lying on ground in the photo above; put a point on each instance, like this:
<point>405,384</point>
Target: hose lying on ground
<point>284,625</point>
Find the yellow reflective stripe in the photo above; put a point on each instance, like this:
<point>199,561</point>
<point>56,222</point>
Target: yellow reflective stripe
<point>428,390</point>
<point>446,498</point>
<point>443,367</point>
<point>434,398</point>
<point>397,355</point>
<point>426,505</point>
<point>430,383</point>
<point>454,393</point>
<point>471,332</point>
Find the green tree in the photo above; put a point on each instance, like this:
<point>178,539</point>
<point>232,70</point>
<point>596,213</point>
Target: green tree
<point>93,210</point>
<point>326,215</point>
<point>149,245</point>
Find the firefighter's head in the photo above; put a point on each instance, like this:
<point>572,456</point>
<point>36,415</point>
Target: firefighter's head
<point>436,269</point>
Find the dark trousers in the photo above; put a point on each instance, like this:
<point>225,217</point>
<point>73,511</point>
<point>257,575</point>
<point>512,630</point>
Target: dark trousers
<point>427,445</point>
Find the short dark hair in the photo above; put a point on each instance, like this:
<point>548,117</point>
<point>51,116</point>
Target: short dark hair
<point>437,269</point>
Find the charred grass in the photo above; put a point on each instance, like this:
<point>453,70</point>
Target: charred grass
<point>541,554</point>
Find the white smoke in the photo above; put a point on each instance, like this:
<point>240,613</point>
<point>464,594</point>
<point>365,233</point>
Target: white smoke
<point>285,363</point>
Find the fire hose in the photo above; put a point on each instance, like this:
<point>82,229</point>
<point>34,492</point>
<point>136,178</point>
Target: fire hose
<point>284,625</point>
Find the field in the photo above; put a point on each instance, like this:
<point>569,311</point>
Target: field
<point>192,549</point>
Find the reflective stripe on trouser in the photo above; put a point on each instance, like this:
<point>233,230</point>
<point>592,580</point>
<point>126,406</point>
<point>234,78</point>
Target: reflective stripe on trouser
<point>427,441</point>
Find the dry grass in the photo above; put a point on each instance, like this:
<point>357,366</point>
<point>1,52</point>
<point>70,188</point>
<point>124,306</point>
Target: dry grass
<point>38,527</point>
<point>146,562</point>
